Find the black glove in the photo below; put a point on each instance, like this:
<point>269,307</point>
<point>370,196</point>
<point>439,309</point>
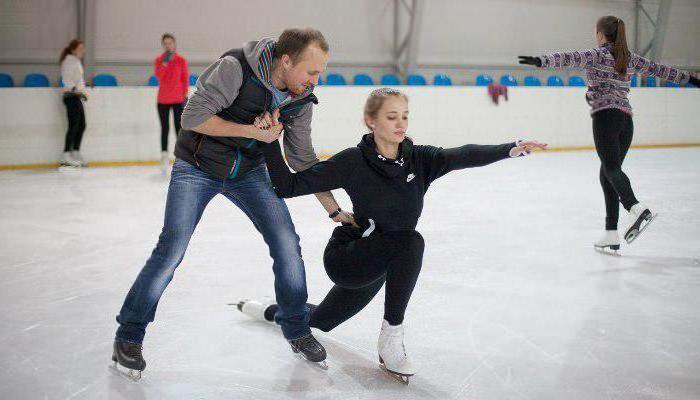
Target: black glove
<point>694,81</point>
<point>530,61</point>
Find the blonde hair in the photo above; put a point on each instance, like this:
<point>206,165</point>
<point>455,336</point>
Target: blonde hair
<point>376,100</point>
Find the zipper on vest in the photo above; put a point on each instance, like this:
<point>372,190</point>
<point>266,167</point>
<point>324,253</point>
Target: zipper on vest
<point>236,164</point>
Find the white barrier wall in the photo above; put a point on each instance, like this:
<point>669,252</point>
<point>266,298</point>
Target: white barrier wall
<point>122,123</point>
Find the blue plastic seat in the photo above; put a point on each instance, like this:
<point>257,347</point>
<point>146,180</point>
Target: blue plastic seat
<point>555,80</point>
<point>335,80</point>
<point>576,81</point>
<point>362,80</point>
<point>650,81</point>
<point>390,80</point>
<point>442,80</point>
<point>532,81</point>
<point>36,80</point>
<point>634,81</point>
<point>416,80</point>
<point>484,80</point>
<point>193,79</point>
<point>104,80</point>
<point>509,80</point>
<point>6,81</point>
<point>671,84</point>
<point>153,81</point>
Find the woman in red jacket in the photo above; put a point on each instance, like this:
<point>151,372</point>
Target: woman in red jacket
<point>173,83</point>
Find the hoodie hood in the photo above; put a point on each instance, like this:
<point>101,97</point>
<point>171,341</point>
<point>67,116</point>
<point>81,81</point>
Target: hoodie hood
<point>259,55</point>
<point>385,166</point>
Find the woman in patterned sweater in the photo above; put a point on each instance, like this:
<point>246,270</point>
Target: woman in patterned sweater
<point>609,68</point>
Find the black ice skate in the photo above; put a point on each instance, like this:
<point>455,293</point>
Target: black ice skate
<point>309,348</point>
<point>129,356</point>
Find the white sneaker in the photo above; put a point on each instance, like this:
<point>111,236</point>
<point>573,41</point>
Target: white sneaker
<point>609,241</point>
<point>67,160</point>
<point>392,352</point>
<point>640,217</point>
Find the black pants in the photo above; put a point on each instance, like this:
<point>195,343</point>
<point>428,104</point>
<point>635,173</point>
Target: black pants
<point>164,115</point>
<point>612,134</point>
<point>76,122</point>
<point>361,267</point>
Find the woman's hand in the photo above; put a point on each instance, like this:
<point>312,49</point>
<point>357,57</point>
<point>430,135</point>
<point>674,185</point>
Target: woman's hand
<point>525,147</point>
<point>346,217</point>
<point>267,120</point>
<point>528,60</point>
<point>268,126</point>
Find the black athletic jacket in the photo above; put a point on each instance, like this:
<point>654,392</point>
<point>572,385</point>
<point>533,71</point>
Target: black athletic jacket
<point>386,194</point>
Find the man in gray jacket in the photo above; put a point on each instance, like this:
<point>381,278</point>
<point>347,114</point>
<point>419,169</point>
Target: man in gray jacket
<point>218,153</point>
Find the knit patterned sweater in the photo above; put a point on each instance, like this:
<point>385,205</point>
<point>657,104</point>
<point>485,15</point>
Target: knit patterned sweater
<point>607,89</point>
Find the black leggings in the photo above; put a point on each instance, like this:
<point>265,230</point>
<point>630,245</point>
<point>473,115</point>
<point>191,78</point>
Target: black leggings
<point>164,114</point>
<point>612,134</point>
<point>360,268</point>
<point>76,122</point>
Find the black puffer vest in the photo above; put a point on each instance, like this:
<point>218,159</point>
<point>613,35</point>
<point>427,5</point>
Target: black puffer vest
<point>231,157</point>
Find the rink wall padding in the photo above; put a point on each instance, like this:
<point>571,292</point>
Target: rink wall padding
<point>123,127</point>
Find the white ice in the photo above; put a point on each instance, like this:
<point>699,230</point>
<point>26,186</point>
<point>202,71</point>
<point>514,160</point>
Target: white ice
<point>512,303</point>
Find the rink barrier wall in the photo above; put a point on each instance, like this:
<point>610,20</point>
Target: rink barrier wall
<point>123,127</point>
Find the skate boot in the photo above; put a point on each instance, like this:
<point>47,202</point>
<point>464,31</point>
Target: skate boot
<point>164,163</point>
<point>608,244</point>
<point>640,217</point>
<point>129,356</point>
<point>75,154</point>
<point>309,348</point>
<point>262,310</point>
<point>67,160</point>
<point>392,353</point>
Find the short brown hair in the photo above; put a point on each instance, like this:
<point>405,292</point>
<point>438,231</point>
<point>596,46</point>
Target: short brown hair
<point>294,41</point>
<point>167,36</point>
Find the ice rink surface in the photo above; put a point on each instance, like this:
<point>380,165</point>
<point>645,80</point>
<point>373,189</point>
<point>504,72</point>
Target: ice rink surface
<point>512,303</point>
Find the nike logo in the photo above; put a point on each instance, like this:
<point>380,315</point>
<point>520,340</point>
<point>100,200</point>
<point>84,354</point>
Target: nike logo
<point>410,177</point>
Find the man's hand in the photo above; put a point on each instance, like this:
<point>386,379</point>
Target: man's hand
<point>268,135</point>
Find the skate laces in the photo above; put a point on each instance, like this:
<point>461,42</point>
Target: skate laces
<point>307,341</point>
<point>395,336</point>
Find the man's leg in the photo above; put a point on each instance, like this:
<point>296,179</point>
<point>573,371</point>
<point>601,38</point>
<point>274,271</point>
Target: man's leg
<point>189,193</point>
<point>254,195</point>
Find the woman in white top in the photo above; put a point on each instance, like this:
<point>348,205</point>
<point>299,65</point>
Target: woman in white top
<point>74,94</point>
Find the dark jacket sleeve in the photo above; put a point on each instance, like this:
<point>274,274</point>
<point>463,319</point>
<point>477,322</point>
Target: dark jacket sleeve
<point>321,177</point>
<point>437,161</point>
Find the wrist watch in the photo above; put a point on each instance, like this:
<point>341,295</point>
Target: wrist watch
<point>335,213</point>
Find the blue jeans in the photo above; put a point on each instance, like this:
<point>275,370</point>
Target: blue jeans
<point>188,195</point>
